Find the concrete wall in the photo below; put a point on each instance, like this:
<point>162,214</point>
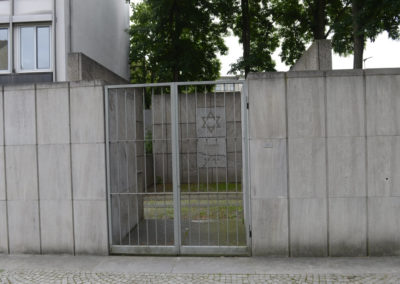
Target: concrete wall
<point>52,169</point>
<point>324,163</point>
<point>101,32</point>
<point>82,68</point>
<point>317,57</point>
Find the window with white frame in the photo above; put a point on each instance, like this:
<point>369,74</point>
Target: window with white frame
<point>4,50</point>
<point>34,48</point>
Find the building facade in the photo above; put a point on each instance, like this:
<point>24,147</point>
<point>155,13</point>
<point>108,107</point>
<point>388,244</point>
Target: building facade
<point>37,37</point>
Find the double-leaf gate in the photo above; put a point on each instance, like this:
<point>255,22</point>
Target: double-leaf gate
<point>177,168</point>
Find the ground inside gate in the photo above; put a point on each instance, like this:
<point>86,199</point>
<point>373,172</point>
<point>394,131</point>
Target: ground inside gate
<point>122,269</point>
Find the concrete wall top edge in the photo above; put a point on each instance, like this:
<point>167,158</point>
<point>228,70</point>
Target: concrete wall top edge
<point>20,87</point>
<point>53,85</point>
<point>382,71</point>
<point>344,73</point>
<point>304,74</point>
<point>266,75</point>
<point>94,83</point>
<point>329,73</point>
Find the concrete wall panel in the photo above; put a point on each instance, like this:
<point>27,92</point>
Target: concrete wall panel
<point>348,226</point>
<point>268,168</point>
<point>91,234</point>
<point>21,170</point>
<point>87,114</point>
<point>2,175</point>
<point>307,167</point>
<point>306,107</point>
<point>56,226</point>
<point>384,166</point>
<point>308,227</point>
<point>383,105</point>
<point>384,226</point>
<point>267,118</point>
<point>54,172</point>
<point>19,114</point>
<point>270,227</point>
<point>345,106</point>
<point>3,228</point>
<point>1,119</point>
<point>23,224</point>
<point>346,166</point>
<point>52,113</point>
<point>44,161</point>
<point>88,171</point>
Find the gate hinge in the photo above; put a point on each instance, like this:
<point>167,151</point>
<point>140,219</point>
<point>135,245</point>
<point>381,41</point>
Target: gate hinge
<point>247,105</point>
<point>249,233</point>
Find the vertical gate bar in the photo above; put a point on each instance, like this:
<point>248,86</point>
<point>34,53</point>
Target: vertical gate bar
<point>127,165</point>
<point>106,104</point>
<point>136,171</point>
<point>163,142</point>
<point>245,163</point>
<point>118,165</point>
<point>188,141</point>
<point>216,166</point>
<point>119,210</point>
<point>198,169</point>
<point>226,180</point>
<point>235,150</point>
<point>144,154</point>
<point>175,163</point>
<point>207,180</point>
<point>153,155</point>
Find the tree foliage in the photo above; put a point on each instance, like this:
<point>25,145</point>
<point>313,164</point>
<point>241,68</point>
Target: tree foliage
<point>174,40</point>
<point>252,23</point>
<point>365,20</point>
<point>349,23</point>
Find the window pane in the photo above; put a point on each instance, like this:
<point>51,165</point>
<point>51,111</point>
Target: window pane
<point>43,47</point>
<point>3,49</point>
<point>28,48</point>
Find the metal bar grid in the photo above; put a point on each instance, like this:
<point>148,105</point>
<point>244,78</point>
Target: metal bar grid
<point>183,209</point>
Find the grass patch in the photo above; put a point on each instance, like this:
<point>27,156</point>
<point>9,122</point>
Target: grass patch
<point>202,187</point>
<point>196,212</point>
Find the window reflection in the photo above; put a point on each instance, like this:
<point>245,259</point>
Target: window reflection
<point>27,48</point>
<point>35,48</point>
<point>43,47</point>
<point>3,49</point>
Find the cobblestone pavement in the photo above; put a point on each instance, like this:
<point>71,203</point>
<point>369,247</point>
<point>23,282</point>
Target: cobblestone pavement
<point>62,277</point>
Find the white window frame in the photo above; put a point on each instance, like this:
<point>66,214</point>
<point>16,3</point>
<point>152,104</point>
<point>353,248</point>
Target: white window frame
<point>18,48</point>
<point>8,71</point>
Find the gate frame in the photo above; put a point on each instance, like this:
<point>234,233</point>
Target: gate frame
<point>178,248</point>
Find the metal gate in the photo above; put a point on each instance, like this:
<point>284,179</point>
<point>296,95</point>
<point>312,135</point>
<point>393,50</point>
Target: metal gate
<point>177,168</point>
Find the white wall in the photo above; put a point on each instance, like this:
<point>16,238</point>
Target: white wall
<point>98,31</point>
<point>39,7</point>
<point>4,8</point>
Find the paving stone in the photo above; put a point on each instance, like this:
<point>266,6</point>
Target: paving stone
<point>56,276</point>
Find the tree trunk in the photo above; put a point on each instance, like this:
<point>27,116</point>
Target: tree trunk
<point>246,35</point>
<point>358,35</point>
<point>320,19</point>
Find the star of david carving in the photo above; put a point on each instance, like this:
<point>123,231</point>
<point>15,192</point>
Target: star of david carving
<point>211,122</point>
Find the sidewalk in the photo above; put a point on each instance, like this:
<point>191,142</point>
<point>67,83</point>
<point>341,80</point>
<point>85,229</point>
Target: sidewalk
<point>121,269</point>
